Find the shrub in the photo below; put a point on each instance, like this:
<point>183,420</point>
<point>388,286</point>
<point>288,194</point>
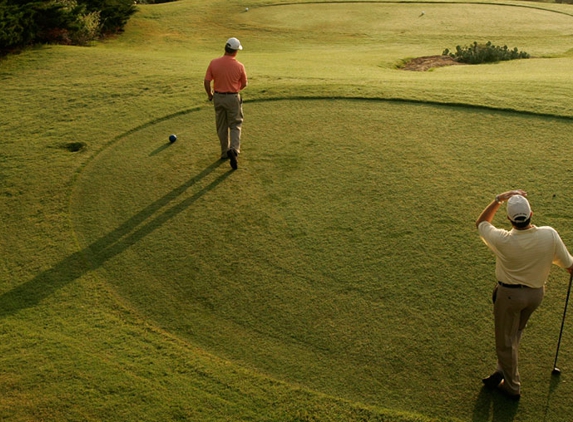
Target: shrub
<point>54,22</point>
<point>14,21</point>
<point>85,26</point>
<point>32,22</point>
<point>484,53</point>
<point>27,22</point>
<point>114,14</point>
<point>88,28</point>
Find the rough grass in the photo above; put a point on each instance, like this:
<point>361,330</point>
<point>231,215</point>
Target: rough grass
<point>335,276</point>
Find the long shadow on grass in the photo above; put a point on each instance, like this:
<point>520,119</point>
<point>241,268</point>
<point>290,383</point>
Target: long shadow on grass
<point>502,408</point>
<point>95,255</point>
<point>553,384</point>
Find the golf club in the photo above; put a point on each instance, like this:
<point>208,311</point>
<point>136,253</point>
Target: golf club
<point>556,370</point>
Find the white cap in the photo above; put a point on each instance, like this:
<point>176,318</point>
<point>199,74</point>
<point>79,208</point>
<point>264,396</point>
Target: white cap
<point>234,44</point>
<point>518,209</point>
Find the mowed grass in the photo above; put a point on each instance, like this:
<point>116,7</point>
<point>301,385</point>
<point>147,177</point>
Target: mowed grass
<point>335,276</point>
<point>280,266</point>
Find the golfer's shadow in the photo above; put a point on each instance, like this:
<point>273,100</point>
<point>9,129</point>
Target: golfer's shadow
<point>502,408</point>
<point>30,293</point>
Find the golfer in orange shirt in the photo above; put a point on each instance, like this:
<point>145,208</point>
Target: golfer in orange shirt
<point>229,78</point>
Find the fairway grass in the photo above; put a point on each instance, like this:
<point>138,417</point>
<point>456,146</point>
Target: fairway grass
<point>336,275</point>
<point>280,266</point>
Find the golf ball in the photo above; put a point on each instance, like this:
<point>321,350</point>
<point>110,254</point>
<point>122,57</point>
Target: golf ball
<point>172,138</point>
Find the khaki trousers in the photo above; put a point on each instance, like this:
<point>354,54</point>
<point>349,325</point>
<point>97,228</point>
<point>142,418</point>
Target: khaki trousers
<point>512,309</point>
<point>228,119</point>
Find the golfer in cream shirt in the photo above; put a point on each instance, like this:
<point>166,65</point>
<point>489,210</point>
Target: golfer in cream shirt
<point>524,256</point>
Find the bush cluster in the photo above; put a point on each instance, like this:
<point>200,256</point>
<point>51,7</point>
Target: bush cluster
<point>27,22</point>
<point>484,53</point>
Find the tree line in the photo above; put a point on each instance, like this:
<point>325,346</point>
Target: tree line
<point>73,22</point>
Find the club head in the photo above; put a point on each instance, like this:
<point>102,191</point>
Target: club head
<point>556,371</point>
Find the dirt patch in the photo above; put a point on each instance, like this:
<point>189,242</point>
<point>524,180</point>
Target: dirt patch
<point>429,62</point>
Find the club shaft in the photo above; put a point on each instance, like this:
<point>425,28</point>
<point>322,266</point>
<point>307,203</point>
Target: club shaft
<point>563,320</point>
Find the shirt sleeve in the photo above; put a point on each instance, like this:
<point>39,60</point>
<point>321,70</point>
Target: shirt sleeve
<point>561,257</point>
<point>209,73</point>
<point>244,77</point>
<point>487,233</point>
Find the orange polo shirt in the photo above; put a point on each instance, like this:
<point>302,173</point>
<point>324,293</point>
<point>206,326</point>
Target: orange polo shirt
<point>227,74</point>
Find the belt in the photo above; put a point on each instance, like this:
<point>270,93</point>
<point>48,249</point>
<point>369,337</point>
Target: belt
<point>513,286</point>
<point>226,93</point>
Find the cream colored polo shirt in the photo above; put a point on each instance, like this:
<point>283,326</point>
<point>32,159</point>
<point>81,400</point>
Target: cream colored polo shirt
<point>525,256</point>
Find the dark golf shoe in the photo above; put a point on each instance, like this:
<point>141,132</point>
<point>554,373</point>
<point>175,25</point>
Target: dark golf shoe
<point>509,394</point>
<point>493,380</point>
<point>232,154</point>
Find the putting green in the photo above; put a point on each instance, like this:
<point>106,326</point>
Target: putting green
<point>280,265</point>
<point>377,28</point>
